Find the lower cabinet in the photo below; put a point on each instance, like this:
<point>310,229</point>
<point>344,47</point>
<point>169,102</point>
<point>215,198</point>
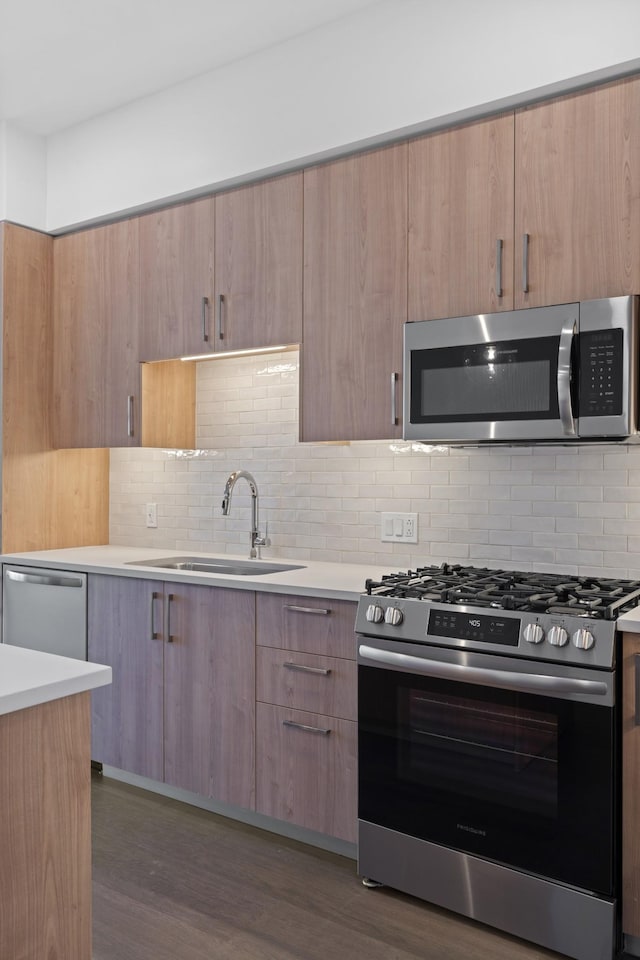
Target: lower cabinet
<point>306,731</point>
<point>181,708</point>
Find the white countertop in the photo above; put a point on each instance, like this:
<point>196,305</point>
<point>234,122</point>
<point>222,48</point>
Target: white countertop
<point>314,578</point>
<point>29,678</point>
<point>630,622</point>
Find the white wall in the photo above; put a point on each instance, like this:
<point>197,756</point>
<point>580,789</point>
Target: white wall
<point>397,64</point>
<point>563,509</point>
<point>22,177</point>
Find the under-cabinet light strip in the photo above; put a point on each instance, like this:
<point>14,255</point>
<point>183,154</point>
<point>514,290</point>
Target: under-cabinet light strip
<point>238,353</point>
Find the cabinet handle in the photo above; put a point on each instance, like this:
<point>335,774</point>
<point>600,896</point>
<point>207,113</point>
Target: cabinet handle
<point>525,263</point>
<point>205,311</point>
<point>220,308</point>
<point>499,247</point>
<point>323,611</point>
<point>637,691</point>
<point>130,415</point>
<point>154,632</point>
<point>323,731</point>
<point>394,412</point>
<point>303,668</point>
<point>167,615</point>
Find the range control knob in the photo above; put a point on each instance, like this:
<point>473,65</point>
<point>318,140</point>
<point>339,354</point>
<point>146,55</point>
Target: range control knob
<point>583,639</point>
<point>394,616</point>
<point>558,636</point>
<point>374,614</point>
<point>533,633</point>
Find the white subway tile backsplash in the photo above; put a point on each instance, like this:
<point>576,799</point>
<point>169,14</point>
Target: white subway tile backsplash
<point>564,511</point>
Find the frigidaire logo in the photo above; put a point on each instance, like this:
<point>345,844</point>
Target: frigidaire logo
<point>463,826</point>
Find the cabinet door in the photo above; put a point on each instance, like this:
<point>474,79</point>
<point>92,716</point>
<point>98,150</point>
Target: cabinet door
<point>127,728</point>
<point>209,714</point>
<point>578,196</point>
<point>259,264</point>
<point>461,221</point>
<point>96,371</point>
<point>630,787</point>
<point>355,296</point>
<point>176,281</point>
<point>307,772</point>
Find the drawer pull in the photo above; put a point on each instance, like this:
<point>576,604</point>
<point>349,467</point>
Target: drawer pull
<point>323,611</point>
<point>637,690</point>
<point>324,731</point>
<point>303,668</point>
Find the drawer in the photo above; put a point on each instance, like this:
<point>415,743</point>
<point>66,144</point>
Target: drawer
<point>306,770</point>
<point>306,681</point>
<point>307,624</point>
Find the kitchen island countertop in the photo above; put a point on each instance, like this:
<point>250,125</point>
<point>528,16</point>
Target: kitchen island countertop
<point>29,678</point>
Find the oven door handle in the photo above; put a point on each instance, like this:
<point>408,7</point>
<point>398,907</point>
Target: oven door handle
<point>506,679</point>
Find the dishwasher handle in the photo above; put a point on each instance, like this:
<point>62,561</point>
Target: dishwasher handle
<point>42,580</point>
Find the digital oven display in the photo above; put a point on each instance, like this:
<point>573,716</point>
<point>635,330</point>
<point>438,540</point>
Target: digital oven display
<point>473,626</point>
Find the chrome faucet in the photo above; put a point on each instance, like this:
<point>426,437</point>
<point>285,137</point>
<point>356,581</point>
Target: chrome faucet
<point>256,538</point>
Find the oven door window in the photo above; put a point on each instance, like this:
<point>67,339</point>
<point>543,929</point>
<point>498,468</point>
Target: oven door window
<point>516,778</point>
<point>507,380</point>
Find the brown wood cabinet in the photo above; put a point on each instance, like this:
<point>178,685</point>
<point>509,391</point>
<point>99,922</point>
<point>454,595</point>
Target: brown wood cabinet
<point>45,831</point>
<point>577,196</point>
<point>355,296</point>
<point>177,281</point>
<point>630,786</point>
<point>258,264</point>
<point>96,372</point>
<point>461,220</point>
<point>306,731</point>
<point>181,708</point>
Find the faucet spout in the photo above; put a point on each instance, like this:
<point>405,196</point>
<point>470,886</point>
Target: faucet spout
<point>256,538</point>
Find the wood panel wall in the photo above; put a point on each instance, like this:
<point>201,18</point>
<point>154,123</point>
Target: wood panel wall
<point>50,498</point>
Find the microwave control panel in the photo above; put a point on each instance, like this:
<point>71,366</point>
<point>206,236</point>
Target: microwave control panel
<point>601,372</point>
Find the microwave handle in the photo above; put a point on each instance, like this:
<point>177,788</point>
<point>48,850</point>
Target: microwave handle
<point>564,380</point>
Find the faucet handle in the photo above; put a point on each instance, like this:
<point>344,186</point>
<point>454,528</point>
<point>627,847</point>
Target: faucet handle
<point>262,541</point>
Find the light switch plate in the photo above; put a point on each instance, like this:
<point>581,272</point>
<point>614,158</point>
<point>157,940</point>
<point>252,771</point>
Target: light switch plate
<point>399,528</point>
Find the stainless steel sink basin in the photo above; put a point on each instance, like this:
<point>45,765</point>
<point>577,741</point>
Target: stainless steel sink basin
<point>238,568</point>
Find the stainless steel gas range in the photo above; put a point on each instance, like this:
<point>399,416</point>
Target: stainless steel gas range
<point>489,748</point>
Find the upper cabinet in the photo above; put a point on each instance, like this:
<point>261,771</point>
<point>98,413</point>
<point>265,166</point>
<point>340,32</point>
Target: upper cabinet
<point>96,375</point>
<point>355,296</point>
<point>577,196</point>
<point>258,265</point>
<point>461,221</point>
<point>176,281</point>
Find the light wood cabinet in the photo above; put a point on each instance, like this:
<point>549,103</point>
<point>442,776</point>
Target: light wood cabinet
<point>461,220</point>
<point>181,708</point>
<point>355,296</point>
<point>258,264</point>
<point>630,786</point>
<point>177,281</point>
<point>306,730</point>
<point>577,196</point>
<point>96,373</point>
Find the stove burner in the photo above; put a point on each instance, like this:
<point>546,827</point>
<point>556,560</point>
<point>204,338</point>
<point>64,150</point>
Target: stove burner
<point>593,597</point>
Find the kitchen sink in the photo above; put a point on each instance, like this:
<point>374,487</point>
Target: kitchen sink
<point>237,568</point>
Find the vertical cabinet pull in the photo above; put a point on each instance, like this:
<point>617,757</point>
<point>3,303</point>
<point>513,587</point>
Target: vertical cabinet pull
<point>154,632</point>
<point>167,616</point>
<point>205,326</point>
<point>220,309</point>
<point>637,690</point>
<point>394,412</point>
<point>130,415</point>
<point>525,263</point>
<point>499,248</point>
<point>323,731</point>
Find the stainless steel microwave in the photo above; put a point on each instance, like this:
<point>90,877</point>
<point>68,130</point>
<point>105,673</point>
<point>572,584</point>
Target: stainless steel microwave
<point>560,373</point>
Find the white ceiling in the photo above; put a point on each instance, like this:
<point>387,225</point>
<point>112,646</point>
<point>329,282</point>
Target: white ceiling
<point>63,61</point>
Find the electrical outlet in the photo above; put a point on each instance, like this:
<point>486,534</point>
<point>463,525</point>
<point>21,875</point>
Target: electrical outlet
<point>152,514</point>
<point>399,527</point>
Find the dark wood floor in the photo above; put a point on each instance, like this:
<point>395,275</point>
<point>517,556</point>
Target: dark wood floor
<point>172,882</point>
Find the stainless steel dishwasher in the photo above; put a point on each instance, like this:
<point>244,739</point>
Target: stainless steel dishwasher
<point>45,610</point>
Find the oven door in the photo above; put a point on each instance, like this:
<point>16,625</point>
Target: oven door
<point>505,759</point>
<point>491,377</point>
